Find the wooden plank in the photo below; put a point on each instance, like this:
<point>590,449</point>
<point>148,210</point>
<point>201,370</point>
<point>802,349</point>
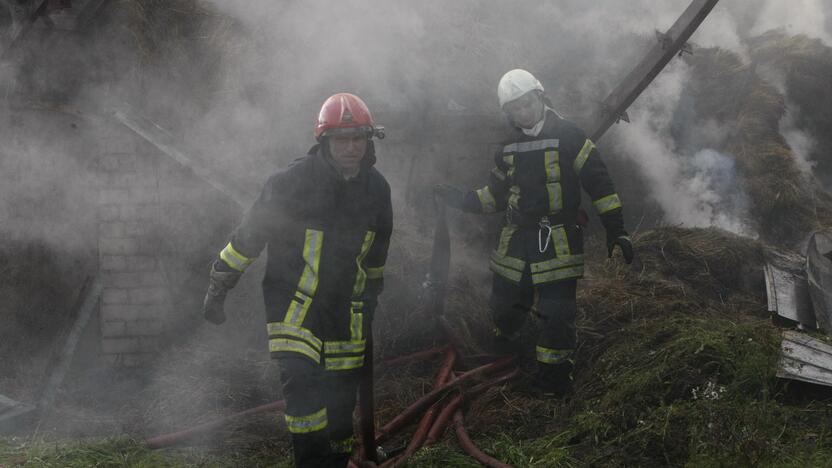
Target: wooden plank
<point>91,294</point>
<point>27,19</point>
<point>156,136</point>
<point>668,45</point>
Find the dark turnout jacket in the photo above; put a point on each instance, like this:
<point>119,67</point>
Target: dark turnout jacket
<point>327,241</point>
<point>538,180</point>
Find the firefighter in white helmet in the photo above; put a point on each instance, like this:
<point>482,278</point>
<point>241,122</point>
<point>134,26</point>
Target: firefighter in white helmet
<point>537,181</point>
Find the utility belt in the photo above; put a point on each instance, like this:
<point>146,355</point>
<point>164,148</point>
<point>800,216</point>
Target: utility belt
<point>532,221</point>
<point>545,222</point>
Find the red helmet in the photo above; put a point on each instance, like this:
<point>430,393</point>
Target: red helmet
<point>346,113</point>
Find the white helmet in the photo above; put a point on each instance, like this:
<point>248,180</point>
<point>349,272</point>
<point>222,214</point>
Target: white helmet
<point>516,83</point>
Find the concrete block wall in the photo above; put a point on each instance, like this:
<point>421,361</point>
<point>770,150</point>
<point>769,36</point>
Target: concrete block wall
<point>135,301</point>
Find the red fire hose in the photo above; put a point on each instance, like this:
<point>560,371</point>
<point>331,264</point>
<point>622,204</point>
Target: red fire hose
<point>179,437</point>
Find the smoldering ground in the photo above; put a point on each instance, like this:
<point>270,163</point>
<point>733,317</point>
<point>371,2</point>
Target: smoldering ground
<point>239,84</point>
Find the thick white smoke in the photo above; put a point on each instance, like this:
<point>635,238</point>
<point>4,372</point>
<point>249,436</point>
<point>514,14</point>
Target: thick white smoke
<point>698,190</point>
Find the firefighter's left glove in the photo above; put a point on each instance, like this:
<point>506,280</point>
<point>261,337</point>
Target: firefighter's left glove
<point>213,308</point>
<point>622,240</point>
<point>449,195</point>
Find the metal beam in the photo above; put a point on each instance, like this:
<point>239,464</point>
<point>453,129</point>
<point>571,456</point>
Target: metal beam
<point>667,46</point>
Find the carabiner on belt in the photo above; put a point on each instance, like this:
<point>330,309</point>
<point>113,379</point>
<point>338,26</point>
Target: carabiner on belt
<point>543,224</point>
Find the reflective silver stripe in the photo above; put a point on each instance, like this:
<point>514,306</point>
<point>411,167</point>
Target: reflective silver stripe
<point>282,328</point>
<point>551,160</point>
<point>489,204</point>
<point>583,155</point>
<point>535,145</point>
<point>555,192</point>
<point>500,175</point>
<point>343,363</point>
<point>558,275</point>
<point>298,307</point>
<point>312,256</point>
<point>508,262</point>
<point>361,275</point>
<point>344,347</point>
<point>561,241</point>
<point>608,203</point>
<point>375,272</point>
<point>235,259</point>
<point>506,272</point>
<point>294,346</point>
<point>555,263</point>
<point>552,356</point>
<point>304,424</point>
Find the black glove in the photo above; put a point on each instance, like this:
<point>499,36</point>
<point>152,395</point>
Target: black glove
<point>449,195</point>
<point>622,240</point>
<point>213,307</point>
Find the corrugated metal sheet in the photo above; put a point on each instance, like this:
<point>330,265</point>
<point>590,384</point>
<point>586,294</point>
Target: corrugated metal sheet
<point>788,295</point>
<point>819,276</point>
<point>805,358</point>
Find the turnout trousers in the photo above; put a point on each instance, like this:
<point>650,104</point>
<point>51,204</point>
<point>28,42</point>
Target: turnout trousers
<point>319,407</point>
<point>511,304</point>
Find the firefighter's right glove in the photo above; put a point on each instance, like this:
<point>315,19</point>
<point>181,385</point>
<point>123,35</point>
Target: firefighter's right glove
<point>622,240</point>
<point>449,195</point>
<point>213,308</point>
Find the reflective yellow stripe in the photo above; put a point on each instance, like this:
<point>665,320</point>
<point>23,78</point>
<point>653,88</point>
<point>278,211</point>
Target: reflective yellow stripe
<point>500,175</point>
<point>583,155</point>
<point>342,446</point>
<point>552,356</point>
<point>294,346</point>
<point>312,256</point>
<point>361,275</point>
<point>489,204</point>
<point>344,347</point>
<point>514,197</point>
<point>298,307</point>
<point>555,263</point>
<point>356,324</point>
<point>375,272</point>
<point>235,259</point>
<point>304,424</point>
<point>506,273</point>
<point>608,203</point>
<point>343,363</point>
<point>561,241</point>
<point>505,239</point>
<point>558,275</point>
<point>508,262</point>
<point>281,328</point>
<point>555,196</point>
<point>551,159</point>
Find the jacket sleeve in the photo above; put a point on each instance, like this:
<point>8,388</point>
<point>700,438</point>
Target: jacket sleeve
<point>377,256</point>
<point>249,238</point>
<point>493,197</point>
<point>596,181</point>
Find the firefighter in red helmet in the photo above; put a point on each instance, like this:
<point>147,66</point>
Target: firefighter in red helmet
<point>327,221</point>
